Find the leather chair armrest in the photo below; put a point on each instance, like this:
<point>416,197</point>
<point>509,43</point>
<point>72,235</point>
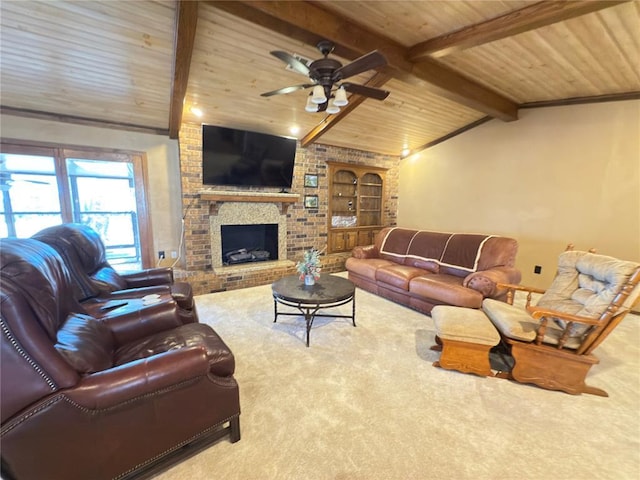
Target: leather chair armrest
<point>131,323</point>
<point>149,277</point>
<point>488,281</point>
<point>147,376</point>
<point>140,292</point>
<point>368,251</point>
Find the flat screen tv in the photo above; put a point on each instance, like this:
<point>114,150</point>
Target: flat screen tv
<point>243,158</point>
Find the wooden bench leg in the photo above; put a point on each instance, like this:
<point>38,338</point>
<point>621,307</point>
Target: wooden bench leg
<point>465,357</point>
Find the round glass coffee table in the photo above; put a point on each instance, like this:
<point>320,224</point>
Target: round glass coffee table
<point>329,291</point>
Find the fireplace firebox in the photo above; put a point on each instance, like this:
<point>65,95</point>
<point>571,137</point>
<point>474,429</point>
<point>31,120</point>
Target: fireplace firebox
<point>249,243</point>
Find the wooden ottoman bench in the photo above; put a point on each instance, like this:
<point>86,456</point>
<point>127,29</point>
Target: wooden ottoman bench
<point>465,336</point>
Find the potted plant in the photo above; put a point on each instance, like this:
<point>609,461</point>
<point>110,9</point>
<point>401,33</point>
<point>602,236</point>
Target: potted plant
<point>309,267</point>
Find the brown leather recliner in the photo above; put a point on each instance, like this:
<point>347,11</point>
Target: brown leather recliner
<point>110,398</point>
<point>96,281</point>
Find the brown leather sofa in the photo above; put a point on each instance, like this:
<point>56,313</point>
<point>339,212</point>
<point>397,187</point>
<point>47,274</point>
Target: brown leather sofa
<point>95,281</point>
<point>422,269</point>
<point>114,397</point>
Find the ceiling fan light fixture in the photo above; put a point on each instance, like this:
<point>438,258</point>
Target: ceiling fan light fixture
<point>318,95</point>
<point>310,106</point>
<point>332,108</point>
<point>341,98</point>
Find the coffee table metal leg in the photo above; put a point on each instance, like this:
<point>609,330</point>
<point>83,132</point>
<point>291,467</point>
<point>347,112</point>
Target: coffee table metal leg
<point>353,309</point>
<point>275,310</point>
<point>309,316</point>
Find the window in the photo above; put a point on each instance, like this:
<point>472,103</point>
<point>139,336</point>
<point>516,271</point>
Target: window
<point>43,186</point>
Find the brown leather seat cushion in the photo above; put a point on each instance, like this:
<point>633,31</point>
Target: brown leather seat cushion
<point>398,275</point>
<point>366,267</point>
<point>446,289</point>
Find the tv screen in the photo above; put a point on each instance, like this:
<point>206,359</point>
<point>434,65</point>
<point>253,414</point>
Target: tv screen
<point>244,158</point>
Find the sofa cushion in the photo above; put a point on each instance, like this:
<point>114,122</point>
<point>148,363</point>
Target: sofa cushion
<point>396,243</point>
<point>446,289</point>
<point>428,246</point>
<point>463,251</point>
<point>85,343</point>
<point>398,275</point>
<point>366,267</point>
<point>428,265</point>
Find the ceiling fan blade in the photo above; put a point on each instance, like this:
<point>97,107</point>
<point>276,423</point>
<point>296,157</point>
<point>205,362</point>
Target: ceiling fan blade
<point>292,88</point>
<point>374,93</point>
<point>366,62</point>
<point>294,63</point>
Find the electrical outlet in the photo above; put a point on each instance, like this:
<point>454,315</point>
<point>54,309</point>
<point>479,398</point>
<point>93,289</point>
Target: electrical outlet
<point>537,269</point>
<point>161,255</point>
<point>174,254</point>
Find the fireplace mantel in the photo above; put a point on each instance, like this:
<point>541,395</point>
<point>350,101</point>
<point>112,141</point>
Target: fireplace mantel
<point>221,196</point>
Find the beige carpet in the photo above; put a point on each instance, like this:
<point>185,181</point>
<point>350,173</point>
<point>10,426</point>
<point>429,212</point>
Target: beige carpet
<point>366,403</point>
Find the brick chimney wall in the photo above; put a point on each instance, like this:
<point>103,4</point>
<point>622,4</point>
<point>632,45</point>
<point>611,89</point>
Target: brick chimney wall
<point>306,228</point>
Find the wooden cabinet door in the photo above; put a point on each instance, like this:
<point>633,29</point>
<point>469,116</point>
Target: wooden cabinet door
<point>351,240</point>
<point>337,242</point>
<point>364,237</point>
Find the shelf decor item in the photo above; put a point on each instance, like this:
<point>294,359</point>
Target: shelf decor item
<point>309,267</point>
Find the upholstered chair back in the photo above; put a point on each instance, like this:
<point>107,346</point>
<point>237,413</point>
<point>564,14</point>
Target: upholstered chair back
<point>586,284</point>
<point>83,250</point>
<point>36,300</point>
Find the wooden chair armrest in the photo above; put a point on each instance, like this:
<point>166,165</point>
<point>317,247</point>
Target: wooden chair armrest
<point>511,288</point>
<point>523,288</point>
<point>544,314</point>
<point>538,312</point>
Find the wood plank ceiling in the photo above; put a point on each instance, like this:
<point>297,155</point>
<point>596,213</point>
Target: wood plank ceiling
<point>146,65</point>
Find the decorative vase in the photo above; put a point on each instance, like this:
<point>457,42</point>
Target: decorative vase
<point>309,280</point>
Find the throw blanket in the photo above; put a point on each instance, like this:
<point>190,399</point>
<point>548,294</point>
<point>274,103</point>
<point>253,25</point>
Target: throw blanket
<point>458,250</point>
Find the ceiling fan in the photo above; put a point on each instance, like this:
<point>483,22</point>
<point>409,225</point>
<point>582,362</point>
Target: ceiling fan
<point>325,73</point>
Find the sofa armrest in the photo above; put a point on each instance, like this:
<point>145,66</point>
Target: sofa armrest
<point>368,251</point>
<point>118,385</point>
<point>133,323</point>
<point>488,281</point>
<point>149,277</point>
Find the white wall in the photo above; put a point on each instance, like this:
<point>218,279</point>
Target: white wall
<point>163,165</point>
<point>558,175</point>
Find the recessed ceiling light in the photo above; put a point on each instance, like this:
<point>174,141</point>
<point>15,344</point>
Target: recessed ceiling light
<point>196,111</point>
<point>294,130</point>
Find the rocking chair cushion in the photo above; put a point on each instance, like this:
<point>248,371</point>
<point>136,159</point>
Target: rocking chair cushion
<point>511,321</point>
<point>585,285</point>
<point>515,323</point>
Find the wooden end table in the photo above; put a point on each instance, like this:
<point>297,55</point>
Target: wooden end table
<point>329,291</point>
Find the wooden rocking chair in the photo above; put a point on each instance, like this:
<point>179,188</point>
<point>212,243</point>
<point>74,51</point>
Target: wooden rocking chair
<point>552,342</point>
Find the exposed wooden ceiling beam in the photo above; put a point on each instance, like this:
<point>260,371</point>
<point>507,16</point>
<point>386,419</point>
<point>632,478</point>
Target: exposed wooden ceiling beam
<point>518,21</point>
<point>377,81</point>
<point>309,21</point>
<point>186,21</point>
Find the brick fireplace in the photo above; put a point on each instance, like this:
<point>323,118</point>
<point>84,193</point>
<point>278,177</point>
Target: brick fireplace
<point>299,228</point>
<point>246,213</point>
